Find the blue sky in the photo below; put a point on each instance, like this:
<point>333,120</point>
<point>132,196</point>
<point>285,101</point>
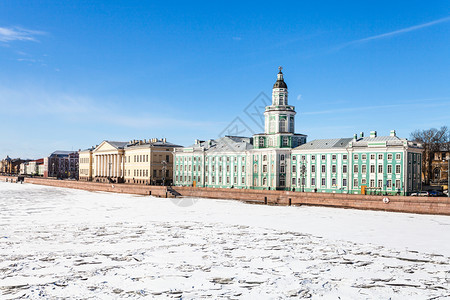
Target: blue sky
<point>74,73</point>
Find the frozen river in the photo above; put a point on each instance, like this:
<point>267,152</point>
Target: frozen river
<point>59,243</point>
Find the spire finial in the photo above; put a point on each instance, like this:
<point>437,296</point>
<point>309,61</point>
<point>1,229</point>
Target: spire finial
<point>280,68</point>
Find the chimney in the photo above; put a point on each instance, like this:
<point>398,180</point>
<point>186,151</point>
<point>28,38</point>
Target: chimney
<point>355,137</point>
<point>145,141</point>
<point>361,134</point>
<point>373,134</point>
<point>164,140</point>
<point>393,133</point>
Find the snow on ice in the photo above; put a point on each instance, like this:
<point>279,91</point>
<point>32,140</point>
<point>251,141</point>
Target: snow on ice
<point>60,243</point>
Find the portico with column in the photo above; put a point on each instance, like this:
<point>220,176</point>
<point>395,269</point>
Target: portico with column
<point>108,159</point>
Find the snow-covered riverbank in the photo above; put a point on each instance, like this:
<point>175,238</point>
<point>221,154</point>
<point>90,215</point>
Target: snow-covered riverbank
<point>70,243</point>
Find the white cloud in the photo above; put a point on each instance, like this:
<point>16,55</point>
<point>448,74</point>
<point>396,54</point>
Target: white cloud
<point>237,38</point>
<point>9,34</point>
<point>395,32</point>
<point>299,97</point>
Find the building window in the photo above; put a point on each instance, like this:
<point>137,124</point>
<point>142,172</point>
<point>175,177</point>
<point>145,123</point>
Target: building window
<point>333,169</point>
<point>380,183</point>
<point>344,182</point>
<point>294,157</point>
<point>344,157</point>
<point>323,157</point>
<point>265,168</point>
<point>220,169</point>
<point>313,169</point>
<point>282,124</point>
<point>389,169</point>
<point>242,180</point>
<point>243,169</point>
<point>389,156</point>
<point>282,169</point>
<point>364,169</point>
<point>235,180</point>
<point>228,159</point>
<point>364,156</point>
<point>264,157</point>
<point>397,184</point>
<point>293,180</point>
<point>355,182</point>
<point>323,181</point>
<point>344,169</point>
<point>303,157</point>
<point>355,168</point>
<point>294,169</point>
<point>380,156</point>
<point>389,183</point>
<point>372,169</point>
<point>282,157</point>
<point>264,181</point>
<point>228,169</point>
<point>363,181</point>
<point>333,181</point>
<point>313,181</point>
<point>285,141</point>
<point>333,157</point>
<point>372,156</point>
<point>228,180</point>
<point>213,179</point>
<point>235,169</point>
<point>397,169</point>
<point>313,157</point>
<point>323,168</point>
<point>372,182</point>
<point>380,168</point>
<point>355,156</point>
<point>255,168</point>
<point>398,156</point>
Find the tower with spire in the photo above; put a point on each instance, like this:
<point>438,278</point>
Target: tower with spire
<point>279,120</point>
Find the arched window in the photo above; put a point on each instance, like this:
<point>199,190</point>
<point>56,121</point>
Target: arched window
<point>437,174</point>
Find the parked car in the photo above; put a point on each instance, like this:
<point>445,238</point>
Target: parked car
<point>436,193</point>
<point>421,194</point>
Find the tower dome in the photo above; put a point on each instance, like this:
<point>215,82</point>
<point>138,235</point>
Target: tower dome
<point>280,84</point>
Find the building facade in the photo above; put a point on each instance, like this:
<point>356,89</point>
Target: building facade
<point>11,165</point>
<point>371,165</point>
<point>281,159</point>
<point>61,164</point>
<point>137,161</point>
<point>33,167</point>
<point>440,166</point>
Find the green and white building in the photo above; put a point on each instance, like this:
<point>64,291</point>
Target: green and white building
<point>283,160</point>
<point>376,164</point>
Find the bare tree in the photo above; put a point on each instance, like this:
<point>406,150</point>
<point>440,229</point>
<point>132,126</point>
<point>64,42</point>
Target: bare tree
<point>433,140</point>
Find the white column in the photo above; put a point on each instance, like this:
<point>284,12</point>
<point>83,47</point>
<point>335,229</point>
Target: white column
<point>115,164</point>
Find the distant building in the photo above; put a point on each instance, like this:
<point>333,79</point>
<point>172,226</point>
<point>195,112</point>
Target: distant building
<point>439,166</point>
<point>33,167</point>
<point>61,164</point>
<point>11,165</point>
<point>136,161</point>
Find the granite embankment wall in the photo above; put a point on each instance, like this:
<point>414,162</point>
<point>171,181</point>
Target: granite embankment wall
<point>421,205</point>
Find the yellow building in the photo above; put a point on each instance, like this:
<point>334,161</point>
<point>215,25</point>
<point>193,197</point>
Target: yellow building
<point>85,162</point>
<point>136,161</point>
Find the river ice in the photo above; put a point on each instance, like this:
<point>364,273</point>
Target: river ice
<point>63,243</point>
